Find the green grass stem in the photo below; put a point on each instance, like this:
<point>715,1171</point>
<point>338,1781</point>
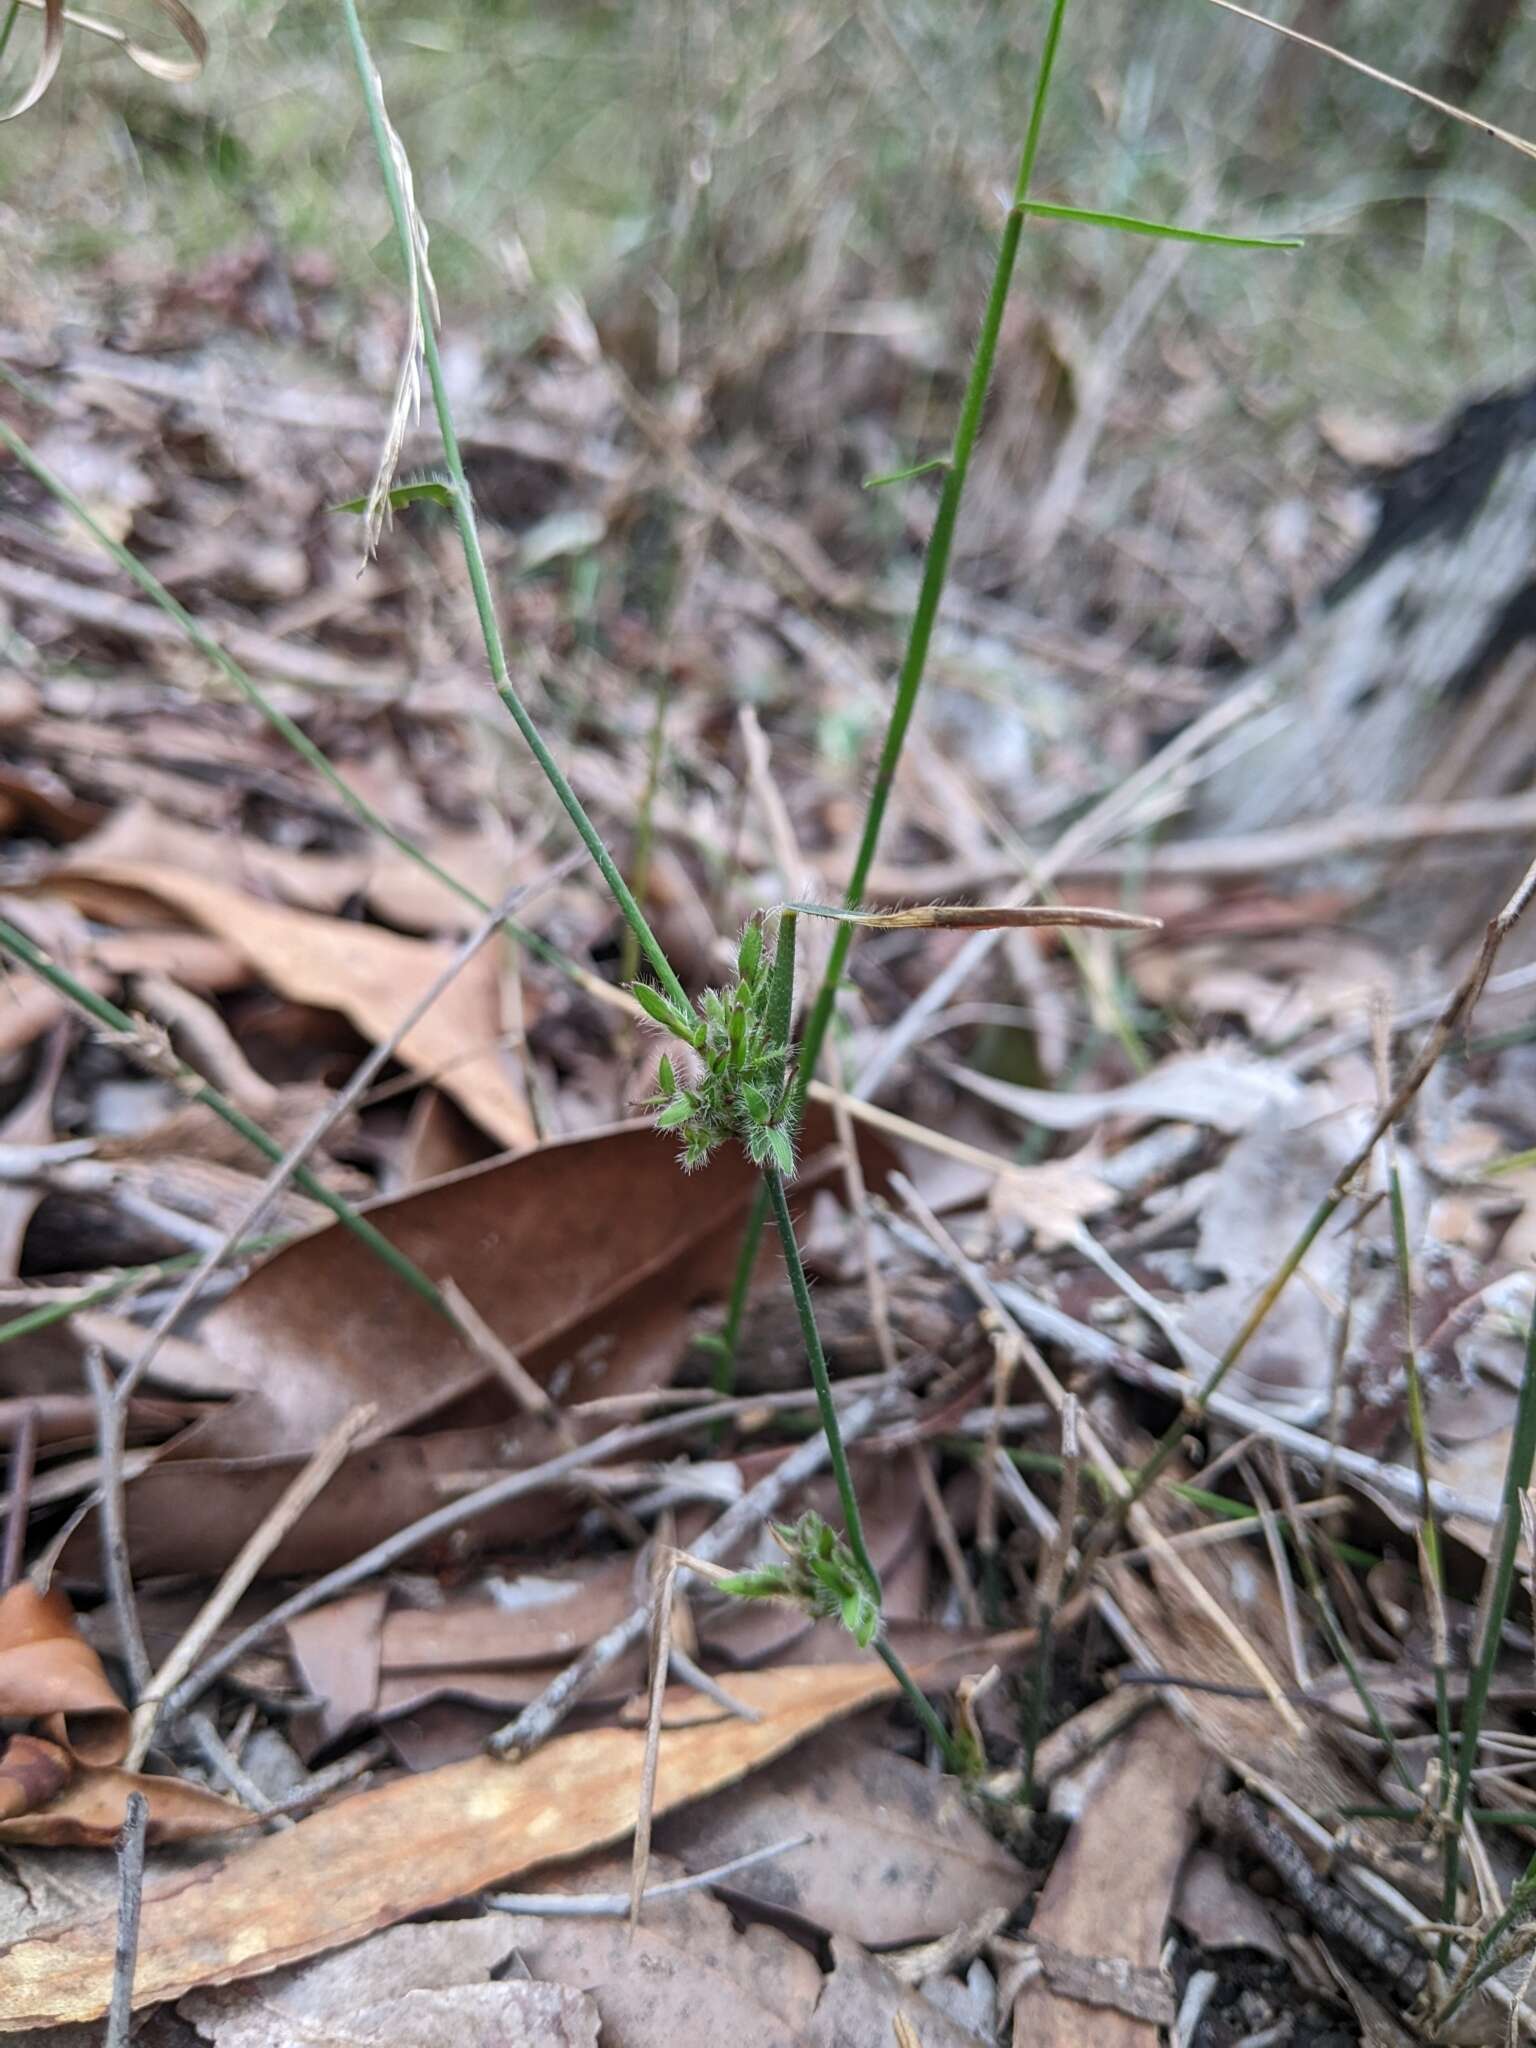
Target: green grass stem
<point>956,467</point>
<point>469,532</point>
<point>1517,1477</point>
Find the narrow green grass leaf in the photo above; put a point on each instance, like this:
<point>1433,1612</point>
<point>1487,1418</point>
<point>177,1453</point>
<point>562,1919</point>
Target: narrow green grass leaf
<point>1131,224</point>
<point>404,494</point>
<point>901,476</point>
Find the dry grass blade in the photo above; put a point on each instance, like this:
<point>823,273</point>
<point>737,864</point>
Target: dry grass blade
<point>48,57</point>
<point>169,70</point>
<point>421,293</point>
<point>664,1583</point>
<point>1414,92</point>
<point>984,917</point>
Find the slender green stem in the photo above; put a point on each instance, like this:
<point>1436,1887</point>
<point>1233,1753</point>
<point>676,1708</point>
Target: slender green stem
<point>121,1025</point>
<point>921,1705</point>
<point>645,827</point>
<point>915,659</point>
<point>469,534</point>
<point>1037,1702</point>
<point>821,1379</point>
<point>1484,1959</point>
<point>1517,1477</point>
<point>853,1521</point>
<point>7,25</point>
<point>47,1313</point>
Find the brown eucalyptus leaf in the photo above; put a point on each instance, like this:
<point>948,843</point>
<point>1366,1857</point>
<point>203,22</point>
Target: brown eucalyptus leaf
<point>371,976</point>
<point>895,1855</point>
<point>401,1848</point>
<point>424,1986</point>
<point>688,1973</point>
<point>589,1254</point>
<point>1111,1889</point>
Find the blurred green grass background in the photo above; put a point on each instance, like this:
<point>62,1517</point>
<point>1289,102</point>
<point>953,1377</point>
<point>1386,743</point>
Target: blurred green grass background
<point>727,162</point>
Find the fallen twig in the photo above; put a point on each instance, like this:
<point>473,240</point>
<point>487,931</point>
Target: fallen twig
<point>130,1898</point>
<point>616,1905</point>
<point>296,1499</point>
<point>116,1570</point>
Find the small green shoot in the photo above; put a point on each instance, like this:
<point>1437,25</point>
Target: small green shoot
<point>820,1577</point>
<point>431,490</point>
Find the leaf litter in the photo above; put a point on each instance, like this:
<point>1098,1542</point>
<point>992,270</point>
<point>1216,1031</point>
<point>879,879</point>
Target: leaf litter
<point>167,848</point>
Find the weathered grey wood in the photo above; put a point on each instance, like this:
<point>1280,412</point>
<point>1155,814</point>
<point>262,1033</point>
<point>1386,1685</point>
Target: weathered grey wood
<point>1400,682</point>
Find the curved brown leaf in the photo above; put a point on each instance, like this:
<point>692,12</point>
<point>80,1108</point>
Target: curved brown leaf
<point>49,1674</point>
<point>89,1812</point>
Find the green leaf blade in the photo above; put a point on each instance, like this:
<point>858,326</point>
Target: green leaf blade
<point>1171,231</point>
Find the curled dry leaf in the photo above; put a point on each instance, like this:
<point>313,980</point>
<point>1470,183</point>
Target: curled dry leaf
<point>59,1784</point>
<point>90,1811</point>
<point>50,1675</point>
<point>343,1873</point>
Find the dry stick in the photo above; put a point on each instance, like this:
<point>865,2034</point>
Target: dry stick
<point>297,1498</point>
<point>511,1486</point>
<point>542,1716</point>
<point>615,1905</point>
<point>114,1536</point>
<point>220,1758</point>
<point>130,1898</point>
<point>691,1674</point>
<point>362,1079</point>
<point>23,1457</point>
<point>945,1537</point>
<point>1460,1006</point>
<point>665,1578</point>
<point>1115,1484</point>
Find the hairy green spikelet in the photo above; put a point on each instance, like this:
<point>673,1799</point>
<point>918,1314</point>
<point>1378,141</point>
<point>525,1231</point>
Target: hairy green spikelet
<point>736,1083</point>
